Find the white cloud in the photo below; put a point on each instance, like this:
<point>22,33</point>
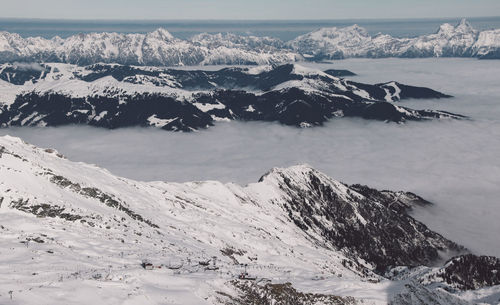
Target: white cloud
<point>23,66</point>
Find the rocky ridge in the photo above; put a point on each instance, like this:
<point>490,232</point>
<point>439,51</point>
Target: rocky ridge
<point>113,96</point>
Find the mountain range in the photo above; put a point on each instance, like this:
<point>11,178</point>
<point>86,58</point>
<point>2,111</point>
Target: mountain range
<point>160,48</point>
<point>113,96</point>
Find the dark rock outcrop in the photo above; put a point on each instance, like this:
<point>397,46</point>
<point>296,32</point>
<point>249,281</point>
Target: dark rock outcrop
<point>362,222</point>
<point>470,272</point>
<point>339,72</point>
<point>278,294</point>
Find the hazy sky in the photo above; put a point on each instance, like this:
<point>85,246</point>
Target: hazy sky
<point>247,9</point>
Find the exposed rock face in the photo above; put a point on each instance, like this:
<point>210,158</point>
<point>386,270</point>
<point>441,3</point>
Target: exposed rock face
<point>19,74</point>
<point>339,73</point>
<point>44,210</point>
<point>440,285</point>
<point>113,96</point>
<point>414,294</point>
<point>95,193</point>
<point>54,109</point>
<point>470,272</point>
<point>362,222</point>
<point>279,294</point>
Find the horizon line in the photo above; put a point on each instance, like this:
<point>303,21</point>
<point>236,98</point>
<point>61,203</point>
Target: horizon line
<point>237,20</point>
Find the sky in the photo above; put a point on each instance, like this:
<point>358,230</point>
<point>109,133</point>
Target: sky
<point>246,9</point>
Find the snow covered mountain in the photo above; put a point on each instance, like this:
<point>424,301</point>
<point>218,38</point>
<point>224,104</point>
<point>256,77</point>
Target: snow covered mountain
<point>112,96</point>
<point>75,233</point>
<point>160,48</point>
<point>156,48</point>
<point>461,40</point>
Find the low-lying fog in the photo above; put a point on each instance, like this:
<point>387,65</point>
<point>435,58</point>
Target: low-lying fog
<point>455,164</point>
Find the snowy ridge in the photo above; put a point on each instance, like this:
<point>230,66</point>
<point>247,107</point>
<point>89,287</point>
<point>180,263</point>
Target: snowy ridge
<point>160,48</point>
<point>461,40</point>
<point>70,229</point>
<point>112,96</point>
<point>156,48</point>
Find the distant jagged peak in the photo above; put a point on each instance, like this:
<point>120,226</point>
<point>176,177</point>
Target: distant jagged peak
<point>356,28</point>
<point>463,27</point>
<point>205,35</point>
<point>464,23</point>
<point>92,35</point>
<point>6,35</point>
<point>161,34</point>
<point>222,35</point>
<point>334,32</point>
<point>260,44</point>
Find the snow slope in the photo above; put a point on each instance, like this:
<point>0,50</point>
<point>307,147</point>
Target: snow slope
<point>73,233</point>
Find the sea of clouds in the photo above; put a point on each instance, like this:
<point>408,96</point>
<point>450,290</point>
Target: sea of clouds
<point>455,164</point>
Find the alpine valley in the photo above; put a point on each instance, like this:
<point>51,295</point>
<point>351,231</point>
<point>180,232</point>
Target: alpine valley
<point>74,233</point>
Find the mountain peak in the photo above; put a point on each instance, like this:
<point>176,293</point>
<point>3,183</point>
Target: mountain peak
<point>279,172</point>
<point>335,31</point>
<point>465,26</point>
<point>161,34</point>
<point>462,27</point>
<point>357,28</point>
<point>464,22</point>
